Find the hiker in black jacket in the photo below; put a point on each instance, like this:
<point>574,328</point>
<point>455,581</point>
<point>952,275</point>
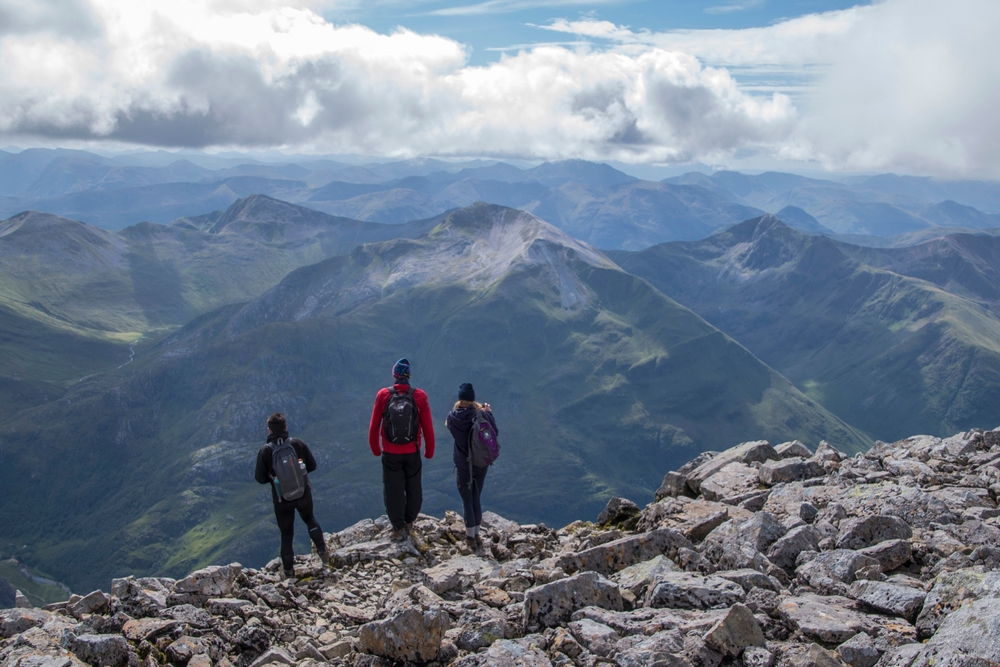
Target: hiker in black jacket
<point>470,487</point>
<point>284,510</point>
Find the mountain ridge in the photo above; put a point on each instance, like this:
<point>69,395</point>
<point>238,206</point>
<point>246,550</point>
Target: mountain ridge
<point>813,309</point>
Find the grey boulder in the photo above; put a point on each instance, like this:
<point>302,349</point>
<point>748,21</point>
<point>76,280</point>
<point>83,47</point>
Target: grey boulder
<point>789,470</point>
<point>888,598</point>
<point>737,630</point>
<point>413,634</point>
<point>215,581</point>
<point>864,532</point>
<point>826,619</point>
<point>748,452</point>
<point>684,590</point>
<point>784,552</point>
<point>859,651</point>
<point>950,590</point>
<point>637,578</point>
<point>969,634</point>
<point>554,603</point>
<point>596,637</point>
<point>889,553</point>
<point>101,650</point>
<point>621,553</point>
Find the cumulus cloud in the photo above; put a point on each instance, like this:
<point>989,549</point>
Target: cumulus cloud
<point>189,73</point>
<point>907,84</point>
<point>914,87</point>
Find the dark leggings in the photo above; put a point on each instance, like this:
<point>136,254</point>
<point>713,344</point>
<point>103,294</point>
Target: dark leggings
<point>285,513</point>
<point>470,496</point>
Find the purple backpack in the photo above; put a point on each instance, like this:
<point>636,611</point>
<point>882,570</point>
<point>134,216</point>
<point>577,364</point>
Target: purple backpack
<point>484,448</point>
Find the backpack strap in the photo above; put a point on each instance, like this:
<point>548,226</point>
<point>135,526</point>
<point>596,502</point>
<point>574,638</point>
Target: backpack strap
<point>272,446</point>
<point>468,448</point>
<point>392,392</point>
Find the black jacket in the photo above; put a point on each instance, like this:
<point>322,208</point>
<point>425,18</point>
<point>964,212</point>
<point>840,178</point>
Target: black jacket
<point>460,424</point>
<point>264,473</point>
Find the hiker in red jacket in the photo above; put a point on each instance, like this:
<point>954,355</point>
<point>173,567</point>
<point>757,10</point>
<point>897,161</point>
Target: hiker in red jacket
<point>400,415</point>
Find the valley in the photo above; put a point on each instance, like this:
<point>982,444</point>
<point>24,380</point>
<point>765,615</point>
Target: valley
<point>140,362</point>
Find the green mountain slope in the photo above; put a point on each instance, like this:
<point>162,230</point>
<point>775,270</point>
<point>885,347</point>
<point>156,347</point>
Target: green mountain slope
<point>886,352</point>
<point>149,276</point>
<point>599,383</point>
<point>77,300</point>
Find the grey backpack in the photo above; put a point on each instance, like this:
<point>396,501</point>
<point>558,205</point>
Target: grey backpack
<point>289,473</point>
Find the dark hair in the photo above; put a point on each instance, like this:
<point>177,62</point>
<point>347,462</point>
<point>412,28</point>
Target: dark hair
<point>277,423</point>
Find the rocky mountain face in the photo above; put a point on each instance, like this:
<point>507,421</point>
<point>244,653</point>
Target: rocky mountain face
<point>753,556</point>
<point>888,339</point>
<point>598,381</point>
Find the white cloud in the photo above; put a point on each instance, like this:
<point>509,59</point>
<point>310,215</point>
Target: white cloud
<point>806,40</point>
<point>911,85</point>
<point>914,87</point>
<point>507,6</point>
<point>187,73</point>
<point>593,28</point>
<point>733,7</point>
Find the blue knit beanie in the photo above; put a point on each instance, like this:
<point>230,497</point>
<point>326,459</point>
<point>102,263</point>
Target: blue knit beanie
<point>401,369</point>
<point>466,392</point>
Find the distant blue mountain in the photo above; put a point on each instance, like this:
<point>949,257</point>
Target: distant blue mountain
<point>594,202</point>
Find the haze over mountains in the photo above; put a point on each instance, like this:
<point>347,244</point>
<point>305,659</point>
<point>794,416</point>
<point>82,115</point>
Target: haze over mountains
<point>141,362</point>
<point>593,202</point>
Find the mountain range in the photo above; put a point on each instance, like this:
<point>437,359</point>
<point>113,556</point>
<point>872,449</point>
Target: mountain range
<point>598,381</point>
<point>890,340</point>
<point>593,202</point>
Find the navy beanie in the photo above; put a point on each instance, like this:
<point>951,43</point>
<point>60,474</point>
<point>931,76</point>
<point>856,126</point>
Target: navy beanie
<point>466,392</point>
<point>401,369</point>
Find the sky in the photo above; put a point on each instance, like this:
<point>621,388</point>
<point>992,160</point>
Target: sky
<point>910,86</point>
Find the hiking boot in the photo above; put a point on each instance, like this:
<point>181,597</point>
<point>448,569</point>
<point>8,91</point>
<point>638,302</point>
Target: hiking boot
<point>324,557</point>
<point>479,545</point>
<point>289,573</point>
<point>398,534</point>
<point>409,528</point>
<point>471,543</point>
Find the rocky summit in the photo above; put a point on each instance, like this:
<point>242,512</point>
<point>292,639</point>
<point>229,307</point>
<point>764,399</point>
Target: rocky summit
<point>759,556</point>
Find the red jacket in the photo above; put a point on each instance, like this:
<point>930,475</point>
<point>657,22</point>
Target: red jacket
<point>425,425</point>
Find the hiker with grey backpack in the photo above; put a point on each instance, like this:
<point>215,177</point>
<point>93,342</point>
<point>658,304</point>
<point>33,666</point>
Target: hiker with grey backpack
<point>474,429</point>
<point>285,464</point>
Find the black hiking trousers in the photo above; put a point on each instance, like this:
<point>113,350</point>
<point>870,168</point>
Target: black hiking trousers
<point>471,492</point>
<point>401,487</point>
<point>285,510</point>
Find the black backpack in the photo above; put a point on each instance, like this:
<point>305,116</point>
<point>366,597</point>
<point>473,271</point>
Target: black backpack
<point>399,420</point>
